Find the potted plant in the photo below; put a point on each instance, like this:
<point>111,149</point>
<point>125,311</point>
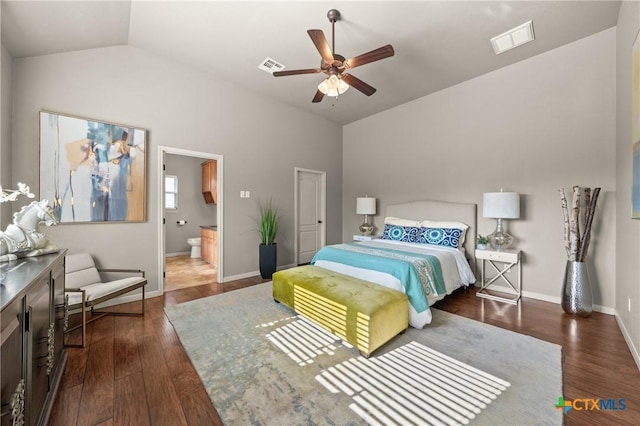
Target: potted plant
<point>268,229</point>
<point>481,242</point>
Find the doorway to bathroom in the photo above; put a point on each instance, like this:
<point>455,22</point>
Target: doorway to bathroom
<point>190,208</point>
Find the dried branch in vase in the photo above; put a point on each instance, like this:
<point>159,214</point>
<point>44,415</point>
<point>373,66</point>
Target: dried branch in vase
<point>576,244</point>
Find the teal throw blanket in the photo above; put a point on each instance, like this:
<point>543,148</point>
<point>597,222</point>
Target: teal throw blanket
<point>420,274</point>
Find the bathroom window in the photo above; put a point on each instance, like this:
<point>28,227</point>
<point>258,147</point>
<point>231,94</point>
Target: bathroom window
<point>171,192</point>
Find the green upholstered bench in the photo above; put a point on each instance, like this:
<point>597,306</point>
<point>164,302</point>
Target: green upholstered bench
<point>365,314</point>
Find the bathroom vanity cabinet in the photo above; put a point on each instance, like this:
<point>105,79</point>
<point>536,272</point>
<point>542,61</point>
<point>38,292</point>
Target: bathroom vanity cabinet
<point>33,357</point>
<point>210,181</point>
<point>209,245</point>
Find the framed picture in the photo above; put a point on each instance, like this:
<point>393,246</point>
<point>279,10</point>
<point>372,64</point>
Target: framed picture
<point>635,131</point>
<point>92,171</point>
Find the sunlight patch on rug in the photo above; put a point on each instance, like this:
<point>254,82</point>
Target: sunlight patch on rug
<point>301,340</point>
<point>413,385</point>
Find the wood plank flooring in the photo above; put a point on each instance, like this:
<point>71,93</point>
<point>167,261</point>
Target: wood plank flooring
<point>197,270</point>
<point>134,371</point>
<point>597,362</point>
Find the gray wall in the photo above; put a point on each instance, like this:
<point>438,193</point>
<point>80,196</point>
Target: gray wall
<point>536,126</point>
<point>627,229</point>
<point>5,134</point>
<point>262,141</point>
<point>191,205</point>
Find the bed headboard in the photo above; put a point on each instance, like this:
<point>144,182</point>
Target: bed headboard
<point>442,211</point>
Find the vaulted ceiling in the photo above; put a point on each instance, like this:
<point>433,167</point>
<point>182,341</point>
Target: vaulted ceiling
<point>437,43</point>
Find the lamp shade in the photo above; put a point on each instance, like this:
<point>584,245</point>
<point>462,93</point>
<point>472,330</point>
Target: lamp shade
<point>366,205</point>
<point>501,205</point>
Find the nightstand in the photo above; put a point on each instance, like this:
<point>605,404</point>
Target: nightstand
<point>358,237</point>
<point>508,259</point>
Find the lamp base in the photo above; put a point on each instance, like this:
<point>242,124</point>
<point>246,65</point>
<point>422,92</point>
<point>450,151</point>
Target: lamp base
<point>500,239</point>
<point>366,228</point>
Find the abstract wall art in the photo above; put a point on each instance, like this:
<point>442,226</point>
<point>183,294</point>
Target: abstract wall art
<point>92,171</point>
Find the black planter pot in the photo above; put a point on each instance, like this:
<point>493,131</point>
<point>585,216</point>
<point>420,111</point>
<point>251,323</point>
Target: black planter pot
<point>268,260</point>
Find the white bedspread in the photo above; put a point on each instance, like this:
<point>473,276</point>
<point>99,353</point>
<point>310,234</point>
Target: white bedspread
<point>455,271</point>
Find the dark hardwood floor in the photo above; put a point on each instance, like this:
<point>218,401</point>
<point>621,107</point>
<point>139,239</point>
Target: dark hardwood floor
<point>134,371</point>
<point>597,362</point>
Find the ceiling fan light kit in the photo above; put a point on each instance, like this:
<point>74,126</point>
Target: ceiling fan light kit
<point>333,65</point>
<point>333,86</point>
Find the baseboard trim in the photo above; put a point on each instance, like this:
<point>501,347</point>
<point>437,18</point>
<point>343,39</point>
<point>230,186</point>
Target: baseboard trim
<point>280,268</point>
<point>543,297</point>
<point>240,276</point>
<point>252,273</point>
<point>135,297</point>
<point>552,299</point>
<point>180,253</point>
<point>627,338</point>
<point>532,295</point>
<point>604,309</point>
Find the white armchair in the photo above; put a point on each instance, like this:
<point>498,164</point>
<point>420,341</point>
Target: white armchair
<point>85,289</point>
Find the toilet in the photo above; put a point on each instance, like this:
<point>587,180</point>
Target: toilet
<point>195,247</point>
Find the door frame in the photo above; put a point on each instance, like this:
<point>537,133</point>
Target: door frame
<point>323,208</point>
<point>162,150</point>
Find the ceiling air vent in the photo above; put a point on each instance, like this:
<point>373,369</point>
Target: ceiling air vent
<point>270,65</point>
<point>513,38</point>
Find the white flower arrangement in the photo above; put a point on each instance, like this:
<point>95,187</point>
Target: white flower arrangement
<point>13,194</point>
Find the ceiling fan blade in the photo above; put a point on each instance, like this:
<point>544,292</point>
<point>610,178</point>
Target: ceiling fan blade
<point>358,84</point>
<point>318,97</point>
<point>318,38</point>
<point>374,55</point>
<point>296,72</point>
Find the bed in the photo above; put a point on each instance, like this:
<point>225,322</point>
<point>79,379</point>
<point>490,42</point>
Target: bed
<point>425,272</point>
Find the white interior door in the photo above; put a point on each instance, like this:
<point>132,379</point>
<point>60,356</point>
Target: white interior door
<point>310,209</point>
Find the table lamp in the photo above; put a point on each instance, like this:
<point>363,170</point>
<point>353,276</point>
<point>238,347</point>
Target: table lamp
<point>366,206</point>
<point>500,205</point>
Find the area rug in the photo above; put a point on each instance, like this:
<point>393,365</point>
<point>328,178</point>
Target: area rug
<point>262,364</point>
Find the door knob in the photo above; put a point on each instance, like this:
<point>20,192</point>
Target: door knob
<point>319,221</point>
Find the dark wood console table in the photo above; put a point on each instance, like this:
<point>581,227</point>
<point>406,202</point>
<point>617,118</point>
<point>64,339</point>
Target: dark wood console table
<point>32,354</point>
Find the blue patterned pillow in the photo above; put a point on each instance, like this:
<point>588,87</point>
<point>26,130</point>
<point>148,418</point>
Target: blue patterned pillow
<point>408,234</point>
<point>446,237</point>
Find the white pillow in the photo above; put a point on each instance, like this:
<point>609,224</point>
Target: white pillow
<point>401,222</point>
<point>443,224</point>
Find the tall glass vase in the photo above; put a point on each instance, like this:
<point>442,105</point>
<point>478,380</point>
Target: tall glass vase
<point>577,296</point>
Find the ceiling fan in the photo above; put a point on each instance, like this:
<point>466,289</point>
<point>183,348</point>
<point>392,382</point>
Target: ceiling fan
<point>333,65</point>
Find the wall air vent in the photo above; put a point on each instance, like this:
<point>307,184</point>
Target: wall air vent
<point>270,65</point>
<point>513,38</point>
